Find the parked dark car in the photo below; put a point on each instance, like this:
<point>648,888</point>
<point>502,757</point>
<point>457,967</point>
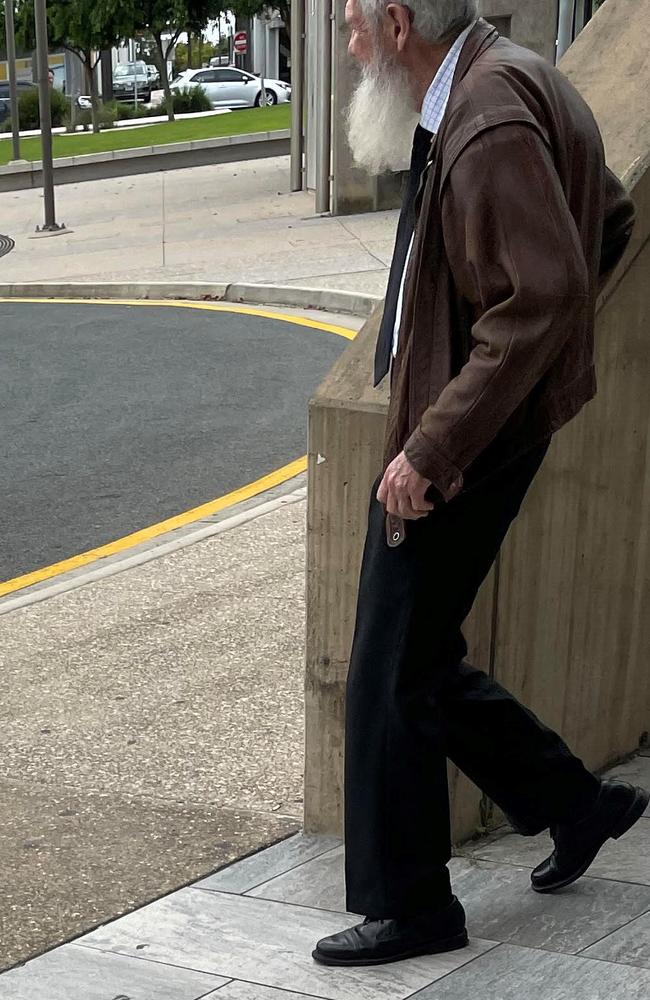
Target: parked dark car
<point>125,78</point>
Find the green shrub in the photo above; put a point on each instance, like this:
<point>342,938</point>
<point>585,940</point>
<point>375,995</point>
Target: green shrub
<point>82,117</point>
<point>188,101</point>
<point>28,108</point>
<point>106,115</point>
<point>124,111</point>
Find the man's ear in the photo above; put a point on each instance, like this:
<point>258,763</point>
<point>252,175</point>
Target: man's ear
<point>401,25</point>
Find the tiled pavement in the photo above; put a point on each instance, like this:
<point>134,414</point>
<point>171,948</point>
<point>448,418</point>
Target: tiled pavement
<point>246,933</point>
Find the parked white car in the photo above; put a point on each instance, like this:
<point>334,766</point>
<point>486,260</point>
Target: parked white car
<point>229,87</point>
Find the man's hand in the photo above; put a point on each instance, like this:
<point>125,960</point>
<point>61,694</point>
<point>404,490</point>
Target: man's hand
<point>402,490</point>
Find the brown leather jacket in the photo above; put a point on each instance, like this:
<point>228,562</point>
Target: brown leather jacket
<point>518,222</point>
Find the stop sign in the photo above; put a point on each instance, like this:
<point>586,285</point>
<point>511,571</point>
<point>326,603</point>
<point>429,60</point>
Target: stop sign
<point>240,43</point>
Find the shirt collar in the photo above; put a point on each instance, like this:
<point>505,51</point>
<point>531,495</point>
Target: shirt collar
<point>437,96</point>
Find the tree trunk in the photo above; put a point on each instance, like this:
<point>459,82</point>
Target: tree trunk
<point>200,49</point>
<point>190,53</point>
<point>92,86</point>
<point>164,78</point>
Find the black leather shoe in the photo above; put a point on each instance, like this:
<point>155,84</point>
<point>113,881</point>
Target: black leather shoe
<point>375,942</point>
<point>618,808</point>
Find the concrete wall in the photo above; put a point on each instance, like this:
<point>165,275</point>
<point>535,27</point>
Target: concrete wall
<point>567,629</point>
<point>534,22</point>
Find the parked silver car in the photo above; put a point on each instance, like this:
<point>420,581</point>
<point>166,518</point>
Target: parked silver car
<point>229,87</point>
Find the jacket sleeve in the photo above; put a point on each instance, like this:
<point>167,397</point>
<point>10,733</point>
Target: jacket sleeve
<point>515,255</point>
<point>617,227</point>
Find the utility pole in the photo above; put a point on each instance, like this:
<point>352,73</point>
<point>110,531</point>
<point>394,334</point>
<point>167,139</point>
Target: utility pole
<point>265,46</point>
<point>297,92</point>
<point>324,107</point>
<point>566,20</point>
<point>13,89</point>
<point>50,226</point>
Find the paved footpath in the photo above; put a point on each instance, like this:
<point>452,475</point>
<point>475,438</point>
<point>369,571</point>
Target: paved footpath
<point>221,223</point>
<point>246,933</point>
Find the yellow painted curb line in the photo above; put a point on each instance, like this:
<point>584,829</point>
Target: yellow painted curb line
<point>340,331</point>
<point>274,478</point>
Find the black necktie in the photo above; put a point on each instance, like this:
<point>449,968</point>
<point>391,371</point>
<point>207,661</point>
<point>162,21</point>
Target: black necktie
<point>421,147</point>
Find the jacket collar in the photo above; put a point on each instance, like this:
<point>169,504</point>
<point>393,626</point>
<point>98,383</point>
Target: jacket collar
<point>480,38</point>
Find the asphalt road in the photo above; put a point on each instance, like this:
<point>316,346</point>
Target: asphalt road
<point>113,418</point>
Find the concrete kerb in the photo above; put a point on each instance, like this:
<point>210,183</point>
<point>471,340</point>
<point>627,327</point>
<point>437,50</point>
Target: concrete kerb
<point>148,159</point>
<point>290,492</point>
<point>324,299</point>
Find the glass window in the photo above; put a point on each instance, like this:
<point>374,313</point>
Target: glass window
<point>129,69</point>
<point>229,76</point>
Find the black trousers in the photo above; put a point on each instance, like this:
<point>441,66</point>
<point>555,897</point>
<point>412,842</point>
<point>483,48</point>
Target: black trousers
<point>413,701</point>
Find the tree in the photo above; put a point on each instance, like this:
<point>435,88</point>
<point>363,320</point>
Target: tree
<point>165,21</point>
<point>181,61</point>
<point>84,27</point>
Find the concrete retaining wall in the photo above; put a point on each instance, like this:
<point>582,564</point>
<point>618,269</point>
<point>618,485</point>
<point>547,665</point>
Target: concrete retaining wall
<point>147,159</point>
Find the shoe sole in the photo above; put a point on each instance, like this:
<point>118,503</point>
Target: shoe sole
<point>447,944</point>
<point>625,823</point>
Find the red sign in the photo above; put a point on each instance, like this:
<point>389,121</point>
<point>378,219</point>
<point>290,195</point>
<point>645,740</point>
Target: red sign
<point>240,43</point>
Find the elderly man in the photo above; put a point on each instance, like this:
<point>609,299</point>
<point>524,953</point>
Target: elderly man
<point>509,226</point>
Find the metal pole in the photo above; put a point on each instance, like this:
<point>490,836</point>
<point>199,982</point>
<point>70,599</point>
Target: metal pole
<point>265,39</point>
<point>297,91</point>
<point>565,26</point>
<point>324,107</point>
<point>44,112</point>
<point>13,89</point>
<point>582,15</point>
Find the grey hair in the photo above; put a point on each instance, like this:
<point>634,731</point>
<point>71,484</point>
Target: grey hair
<point>434,20</point>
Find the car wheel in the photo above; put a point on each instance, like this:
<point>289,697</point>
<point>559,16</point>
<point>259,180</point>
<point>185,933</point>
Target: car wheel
<point>271,98</point>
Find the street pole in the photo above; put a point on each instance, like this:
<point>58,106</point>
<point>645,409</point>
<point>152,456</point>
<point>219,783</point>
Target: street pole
<point>265,36</point>
<point>13,89</point>
<point>324,114</point>
<point>40,13</point>
<point>566,18</point>
<point>132,59</point>
<point>297,91</point>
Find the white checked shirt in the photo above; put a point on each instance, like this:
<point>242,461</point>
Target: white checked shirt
<point>433,111</point>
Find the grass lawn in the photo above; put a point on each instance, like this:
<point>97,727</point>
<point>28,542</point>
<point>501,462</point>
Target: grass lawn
<point>236,123</point>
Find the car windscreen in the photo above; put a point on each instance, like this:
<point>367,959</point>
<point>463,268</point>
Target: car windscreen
<point>129,69</point>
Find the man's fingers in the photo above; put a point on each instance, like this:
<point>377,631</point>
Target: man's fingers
<point>406,510</point>
<point>419,501</point>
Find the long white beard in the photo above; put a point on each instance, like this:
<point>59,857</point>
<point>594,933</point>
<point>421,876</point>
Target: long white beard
<point>381,120</point>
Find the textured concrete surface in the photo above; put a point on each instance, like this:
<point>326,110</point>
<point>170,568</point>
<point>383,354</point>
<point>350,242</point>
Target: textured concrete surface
<point>152,730</point>
<point>228,222</point>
